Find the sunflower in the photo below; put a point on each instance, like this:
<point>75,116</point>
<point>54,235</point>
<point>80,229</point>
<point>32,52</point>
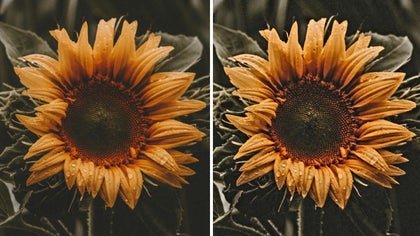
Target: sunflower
<point>316,117</point>
<point>106,118</point>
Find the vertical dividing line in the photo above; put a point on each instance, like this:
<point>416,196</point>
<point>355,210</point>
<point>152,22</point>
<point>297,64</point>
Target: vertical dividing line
<point>211,117</point>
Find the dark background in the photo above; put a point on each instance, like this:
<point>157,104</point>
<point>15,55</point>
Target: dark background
<point>188,17</point>
<point>398,17</point>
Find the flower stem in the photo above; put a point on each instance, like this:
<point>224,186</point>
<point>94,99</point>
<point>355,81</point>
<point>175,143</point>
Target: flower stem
<point>100,219</point>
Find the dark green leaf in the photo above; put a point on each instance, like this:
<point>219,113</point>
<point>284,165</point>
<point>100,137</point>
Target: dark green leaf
<point>397,52</point>
<point>6,205</point>
<point>20,42</point>
<point>187,51</point>
<point>228,43</point>
<point>7,74</point>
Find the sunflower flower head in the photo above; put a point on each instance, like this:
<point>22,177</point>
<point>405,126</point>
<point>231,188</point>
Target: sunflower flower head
<point>106,119</point>
<point>316,118</point>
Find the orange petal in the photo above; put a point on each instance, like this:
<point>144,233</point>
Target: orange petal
<point>369,173</point>
<point>379,110</point>
<point>250,175</point>
<point>253,144</point>
<point>375,87</point>
<point>175,109</point>
<point>54,157</point>
<point>381,133</point>
<point>312,48</point>
<point>111,185</point>
<point>171,133</point>
<point>71,168</point>
<point>159,173</point>
<point>334,49</point>
<point>38,176</point>
<point>370,156</point>
<point>165,87</point>
<point>160,156</point>
<point>265,156</point>
<point>102,48</point>
<point>281,169</point>
<point>45,143</point>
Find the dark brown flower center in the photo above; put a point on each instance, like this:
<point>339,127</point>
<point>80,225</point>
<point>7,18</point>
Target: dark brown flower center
<point>314,123</point>
<point>103,122</point>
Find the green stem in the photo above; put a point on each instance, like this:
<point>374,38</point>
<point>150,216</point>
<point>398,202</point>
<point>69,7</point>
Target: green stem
<point>100,219</point>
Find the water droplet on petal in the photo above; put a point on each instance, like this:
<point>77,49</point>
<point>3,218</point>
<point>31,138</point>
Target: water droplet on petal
<point>340,176</point>
<point>73,165</point>
<point>130,176</point>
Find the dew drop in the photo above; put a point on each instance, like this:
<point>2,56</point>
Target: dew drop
<point>67,175</point>
<point>91,173</point>
<point>340,176</point>
<point>283,165</point>
<point>130,176</point>
<point>301,173</point>
<point>277,174</point>
<point>73,165</point>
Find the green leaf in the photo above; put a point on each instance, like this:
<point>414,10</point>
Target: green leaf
<point>20,42</point>
<point>187,52</point>
<point>397,52</point>
<point>228,43</point>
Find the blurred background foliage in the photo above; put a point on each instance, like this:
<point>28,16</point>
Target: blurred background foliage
<point>186,17</point>
<point>397,17</point>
